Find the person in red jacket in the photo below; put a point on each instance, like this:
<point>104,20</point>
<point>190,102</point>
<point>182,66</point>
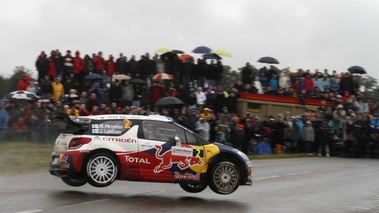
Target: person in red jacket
<point>78,66</point>
<point>109,69</point>
<point>309,83</point>
<point>19,130</point>
<point>24,83</point>
<point>157,91</point>
<point>52,72</point>
<point>99,62</point>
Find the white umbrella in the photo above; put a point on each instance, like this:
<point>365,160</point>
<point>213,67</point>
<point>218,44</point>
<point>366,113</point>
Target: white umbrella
<point>22,95</point>
<point>121,77</point>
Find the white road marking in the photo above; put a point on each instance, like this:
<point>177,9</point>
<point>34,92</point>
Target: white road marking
<point>299,173</point>
<point>81,203</point>
<point>31,211</point>
<point>264,178</point>
<point>359,207</point>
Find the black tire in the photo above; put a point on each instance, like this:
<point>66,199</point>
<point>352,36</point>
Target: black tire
<point>74,181</point>
<point>193,188</point>
<point>102,170</point>
<point>224,178</point>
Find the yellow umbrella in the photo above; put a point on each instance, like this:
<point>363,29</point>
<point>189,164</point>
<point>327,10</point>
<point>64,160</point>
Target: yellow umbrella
<point>162,50</point>
<point>222,52</point>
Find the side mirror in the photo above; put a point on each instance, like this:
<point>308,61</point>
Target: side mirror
<point>177,141</point>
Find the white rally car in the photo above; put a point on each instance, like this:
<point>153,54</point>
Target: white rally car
<point>104,148</point>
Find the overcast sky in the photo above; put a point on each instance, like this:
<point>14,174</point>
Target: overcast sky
<point>308,34</point>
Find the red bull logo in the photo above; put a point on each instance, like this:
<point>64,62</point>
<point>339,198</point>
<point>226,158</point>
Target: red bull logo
<point>168,159</point>
<point>64,161</point>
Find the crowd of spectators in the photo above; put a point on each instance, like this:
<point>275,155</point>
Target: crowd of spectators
<point>350,126</point>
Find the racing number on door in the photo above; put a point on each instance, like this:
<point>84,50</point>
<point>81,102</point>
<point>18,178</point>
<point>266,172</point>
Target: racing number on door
<point>198,153</point>
<point>127,123</point>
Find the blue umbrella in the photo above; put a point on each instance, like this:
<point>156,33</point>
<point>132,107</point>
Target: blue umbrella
<point>357,70</point>
<point>268,60</point>
<point>211,56</point>
<point>93,76</point>
<point>202,50</point>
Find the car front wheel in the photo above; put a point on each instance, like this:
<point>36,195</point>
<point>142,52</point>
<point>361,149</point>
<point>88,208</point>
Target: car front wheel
<point>74,181</point>
<point>193,188</point>
<point>224,178</point>
<point>102,170</point>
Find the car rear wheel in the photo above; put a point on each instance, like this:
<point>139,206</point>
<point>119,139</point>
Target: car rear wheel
<point>193,188</point>
<point>102,170</point>
<point>74,181</point>
<point>224,178</point>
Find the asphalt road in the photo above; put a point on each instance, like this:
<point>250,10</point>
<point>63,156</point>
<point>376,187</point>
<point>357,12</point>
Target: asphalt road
<point>292,185</point>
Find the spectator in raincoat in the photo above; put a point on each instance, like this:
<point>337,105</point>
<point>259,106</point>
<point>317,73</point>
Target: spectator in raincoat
<point>109,69</point>
<point>4,118</point>
<point>57,89</point>
<point>78,66</point>
<point>42,65</point>
<point>24,83</point>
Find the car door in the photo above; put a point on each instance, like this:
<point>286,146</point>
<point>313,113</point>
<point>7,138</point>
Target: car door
<point>165,160</point>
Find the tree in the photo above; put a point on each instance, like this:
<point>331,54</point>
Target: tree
<point>10,84</point>
<point>369,85</point>
<point>229,77</point>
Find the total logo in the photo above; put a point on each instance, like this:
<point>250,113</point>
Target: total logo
<point>130,159</point>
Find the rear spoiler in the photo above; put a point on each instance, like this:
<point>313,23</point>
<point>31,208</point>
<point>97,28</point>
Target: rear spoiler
<point>62,122</point>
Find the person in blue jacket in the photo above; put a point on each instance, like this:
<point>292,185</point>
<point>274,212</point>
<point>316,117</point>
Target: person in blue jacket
<point>4,118</point>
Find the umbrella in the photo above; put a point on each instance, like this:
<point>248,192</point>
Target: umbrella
<point>169,101</point>
<point>121,77</point>
<point>170,55</point>
<point>93,76</point>
<point>163,76</point>
<point>211,56</point>
<point>222,52</point>
<point>138,81</point>
<point>357,70</point>
<point>184,57</point>
<point>202,50</point>
<point>177,51</point>
<point>268,60</point>
<point>22,95</point>
<point>162,50</point>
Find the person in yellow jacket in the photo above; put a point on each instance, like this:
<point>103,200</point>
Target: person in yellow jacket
<point>206,114</point>
<point>58,90</point>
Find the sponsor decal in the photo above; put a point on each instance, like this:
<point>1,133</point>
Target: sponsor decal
<point>181,151</point>
<point>168,160</point>
<point>63,159</point>
<point>186,176</point>
<point>121,140</point>
<point>130,159</point>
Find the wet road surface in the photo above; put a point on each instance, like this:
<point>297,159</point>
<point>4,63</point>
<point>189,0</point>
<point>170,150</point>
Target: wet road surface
<point>291,185</point>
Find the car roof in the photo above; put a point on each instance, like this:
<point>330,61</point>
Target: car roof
<point>122,116</point>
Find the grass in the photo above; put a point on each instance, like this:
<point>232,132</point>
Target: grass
<point>16,157</point>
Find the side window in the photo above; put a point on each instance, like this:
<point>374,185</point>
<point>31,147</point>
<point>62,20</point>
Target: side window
<point>191,139</point>
<point>148,130</point>
<point>162,131</point>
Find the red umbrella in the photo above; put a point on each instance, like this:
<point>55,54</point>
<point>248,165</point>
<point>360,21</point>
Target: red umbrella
<point>184,57</point>
<point>163,76</point>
